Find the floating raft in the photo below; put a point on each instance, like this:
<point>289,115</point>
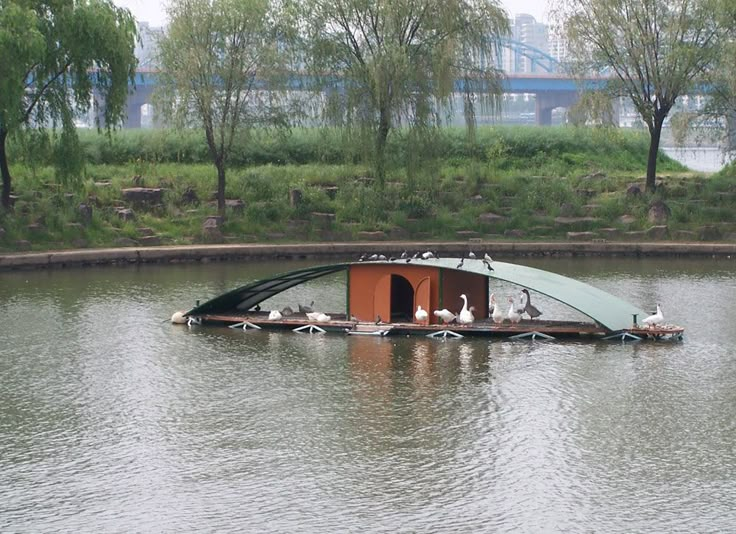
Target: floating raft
<point>394,288</point>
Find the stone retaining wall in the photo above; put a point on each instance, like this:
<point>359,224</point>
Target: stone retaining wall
<point>205,253</point>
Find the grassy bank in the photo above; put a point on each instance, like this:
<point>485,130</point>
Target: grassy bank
<point>511,183</point>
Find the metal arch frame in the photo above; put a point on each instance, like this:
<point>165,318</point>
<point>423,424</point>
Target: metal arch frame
<point>609,311</point>
<point>247,296</point>
<point>534,54</point>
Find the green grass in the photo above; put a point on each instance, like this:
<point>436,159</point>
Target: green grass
<point>527,175</point>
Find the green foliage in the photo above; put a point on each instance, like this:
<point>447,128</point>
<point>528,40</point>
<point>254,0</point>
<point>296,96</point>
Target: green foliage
<point>619,36</point>
<point>59,45</point>
<point>402,66</point>
<point>214,57</point>
<point>571,172</point>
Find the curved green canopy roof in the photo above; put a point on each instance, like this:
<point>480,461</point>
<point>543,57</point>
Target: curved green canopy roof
<point>609,311</point>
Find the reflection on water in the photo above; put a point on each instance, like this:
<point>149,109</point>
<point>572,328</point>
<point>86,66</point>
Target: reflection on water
<point>112,419</point>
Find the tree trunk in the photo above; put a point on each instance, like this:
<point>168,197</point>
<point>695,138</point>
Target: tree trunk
<point>384,126</point>
<point>654,135</point>
<point>220,187</point>
<point>4,170</point>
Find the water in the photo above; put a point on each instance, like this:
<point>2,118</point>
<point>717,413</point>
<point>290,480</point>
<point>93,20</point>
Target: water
<point>704,159</point>
<point>114,420</point>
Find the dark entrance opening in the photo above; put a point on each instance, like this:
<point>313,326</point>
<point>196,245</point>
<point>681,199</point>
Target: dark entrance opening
<point>402,299</point>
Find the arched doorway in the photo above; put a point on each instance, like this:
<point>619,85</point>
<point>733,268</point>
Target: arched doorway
<point>402,299</point>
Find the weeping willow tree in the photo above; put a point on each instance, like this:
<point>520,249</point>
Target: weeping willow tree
<point>55,56</point>
<point>655,51</point>
<point>391,62</point>
<point>221,71</point>
<point>722,81</point>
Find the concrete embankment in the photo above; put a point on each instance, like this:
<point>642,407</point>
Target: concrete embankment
<point>204,253</point>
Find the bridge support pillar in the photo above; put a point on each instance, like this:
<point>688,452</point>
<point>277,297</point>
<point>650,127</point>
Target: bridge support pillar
<point>132,114</point>
<point>546,102</point>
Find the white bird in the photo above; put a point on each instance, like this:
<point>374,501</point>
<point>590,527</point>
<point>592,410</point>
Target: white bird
<point>178,318</point>
<point>421,315</point>
<point>275,315</point>
<point>323,317</point>
<point>428,255</point>
<point>487,261</point>
<point>313,316</point>
<point>471,255</point>
<point>497,314</point>
<point>513,315</point>
<point>654,320</point>
<point>466,315</point>
<point>446,315</point>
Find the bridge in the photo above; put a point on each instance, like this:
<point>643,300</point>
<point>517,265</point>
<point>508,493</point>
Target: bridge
<point>551,86</point>
<point>551,90</point>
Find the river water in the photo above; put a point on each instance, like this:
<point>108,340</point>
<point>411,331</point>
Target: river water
<point>114,420</point>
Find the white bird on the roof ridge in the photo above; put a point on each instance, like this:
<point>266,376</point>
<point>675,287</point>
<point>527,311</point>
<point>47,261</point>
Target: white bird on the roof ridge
<point>421,315</point>
<point>466,314</point>
<point>513,315</point>
<point>446,315</point>
<point>274,315</point>
<point>654,320</point>
<point>313,316</point>
<point>323,317</point>
<point>497,314</point>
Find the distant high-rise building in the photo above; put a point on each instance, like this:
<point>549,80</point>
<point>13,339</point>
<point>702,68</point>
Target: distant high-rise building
<point>147,49</point>
<point>525,29</point>
<point>557,44</point>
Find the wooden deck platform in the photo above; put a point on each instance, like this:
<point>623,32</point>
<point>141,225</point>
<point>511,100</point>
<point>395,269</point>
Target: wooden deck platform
<point>484,327</point>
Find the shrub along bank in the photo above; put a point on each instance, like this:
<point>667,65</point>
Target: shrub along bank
<point>157,186</point>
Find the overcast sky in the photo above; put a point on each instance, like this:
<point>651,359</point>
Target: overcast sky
<point>152,11</point>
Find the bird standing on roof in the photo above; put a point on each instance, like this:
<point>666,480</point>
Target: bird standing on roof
<point>471,255</point>
<point>460,265</point>
<point>487,260</point>
<point>306,309</point>
<point>274,315</point>
<point>655,319</point>
<point>428,255</point>
<point>421,315</point>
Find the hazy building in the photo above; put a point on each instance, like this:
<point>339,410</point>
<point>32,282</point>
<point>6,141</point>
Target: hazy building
<point>525,29</point>
<point>147,48</point>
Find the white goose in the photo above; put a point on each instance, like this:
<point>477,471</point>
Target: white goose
<point>466,315</point>
<point>654,320</point>
<point>274,315</point>
<point>497,314</point>
<point>446,315</point>
<point>513,315</point>
<point>421,315</point>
